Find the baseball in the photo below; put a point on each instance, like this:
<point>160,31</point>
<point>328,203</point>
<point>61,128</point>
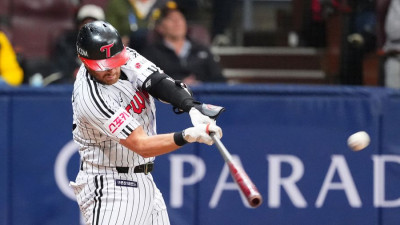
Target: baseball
<point>358,141</point>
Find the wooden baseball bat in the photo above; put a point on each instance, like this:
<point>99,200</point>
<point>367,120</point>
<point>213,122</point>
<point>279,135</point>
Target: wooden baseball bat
<point>247,187</point>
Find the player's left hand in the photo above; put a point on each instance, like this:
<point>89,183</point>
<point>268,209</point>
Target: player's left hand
<point>198,118</point>
<point>204,114</point>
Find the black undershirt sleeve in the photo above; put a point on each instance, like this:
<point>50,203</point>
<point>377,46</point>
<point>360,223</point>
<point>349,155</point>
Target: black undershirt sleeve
<point>166,89</point>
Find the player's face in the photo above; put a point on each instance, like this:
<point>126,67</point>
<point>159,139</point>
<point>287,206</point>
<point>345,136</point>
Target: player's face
<point>108,77</point>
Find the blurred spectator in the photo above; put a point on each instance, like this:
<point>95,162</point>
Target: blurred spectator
<point>133,19</point>
<point>359,32</point>
<point>191,9</point>
<point>64,55</point>
<point>222,12</point>
<point>309,21</point>
<point>10,70</point>
<point>389,41</point>
<point>179,57</point>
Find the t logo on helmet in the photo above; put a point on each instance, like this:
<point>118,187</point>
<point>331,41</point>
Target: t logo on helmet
<point>107,48</point>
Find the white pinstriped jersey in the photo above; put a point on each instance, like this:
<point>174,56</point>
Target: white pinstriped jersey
<point>104,114</point>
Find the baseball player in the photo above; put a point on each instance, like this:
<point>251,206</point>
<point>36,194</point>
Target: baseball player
<point>114,123</point>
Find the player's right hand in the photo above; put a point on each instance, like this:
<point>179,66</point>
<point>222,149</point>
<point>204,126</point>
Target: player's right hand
<point>201,133</point>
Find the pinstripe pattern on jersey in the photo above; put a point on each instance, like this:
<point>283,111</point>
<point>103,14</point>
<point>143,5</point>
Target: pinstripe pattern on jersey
<point>96,146</point>
<point>120,205</point>
<point>101,201</point>
<point>93,85</point>
<point>97,199</point>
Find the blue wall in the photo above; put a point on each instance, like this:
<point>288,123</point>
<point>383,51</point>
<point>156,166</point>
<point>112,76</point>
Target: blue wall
<point>291,140</point>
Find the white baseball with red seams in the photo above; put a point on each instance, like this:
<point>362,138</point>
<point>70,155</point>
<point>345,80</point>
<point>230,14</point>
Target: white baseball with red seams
<point>358,141</point>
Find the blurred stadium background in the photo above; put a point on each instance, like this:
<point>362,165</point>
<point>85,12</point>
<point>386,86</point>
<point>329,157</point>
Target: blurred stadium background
<point>291,104</point>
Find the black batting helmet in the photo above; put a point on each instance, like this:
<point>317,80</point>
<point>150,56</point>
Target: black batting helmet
<point>100,47</point>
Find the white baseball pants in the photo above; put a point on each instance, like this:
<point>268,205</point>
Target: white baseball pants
<point>113,198</point>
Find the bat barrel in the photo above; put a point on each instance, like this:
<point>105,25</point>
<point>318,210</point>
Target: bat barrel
<point>245,184</point>
<point>248,189</point>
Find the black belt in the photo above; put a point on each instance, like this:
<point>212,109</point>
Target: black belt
<point>144,168</point>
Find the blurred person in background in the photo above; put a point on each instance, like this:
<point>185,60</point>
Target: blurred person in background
<point>222,12</point>
<point>309,22</point>
<point>11,72</point>
<point>66,61</point>
<point>133,19</point>
<point>179,56</point>
<point>359,33</point>
<point>388,12</point>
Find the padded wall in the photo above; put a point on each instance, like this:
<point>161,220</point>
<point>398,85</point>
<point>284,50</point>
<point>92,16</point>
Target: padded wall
<point>290,139</point>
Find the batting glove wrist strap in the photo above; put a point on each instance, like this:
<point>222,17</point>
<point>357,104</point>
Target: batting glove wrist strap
<point>178,138</point>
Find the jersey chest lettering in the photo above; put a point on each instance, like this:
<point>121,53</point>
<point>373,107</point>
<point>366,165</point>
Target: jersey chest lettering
<point>138,103</point>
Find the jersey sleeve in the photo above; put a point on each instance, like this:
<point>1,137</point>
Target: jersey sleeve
<point>102,112</point>
<point>120,124</point>
<point>139,68</point>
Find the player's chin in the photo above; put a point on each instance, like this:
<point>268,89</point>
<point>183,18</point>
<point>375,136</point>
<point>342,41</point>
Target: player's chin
<point>110,79</point>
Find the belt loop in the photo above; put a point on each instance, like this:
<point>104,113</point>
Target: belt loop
<point>146,169</point>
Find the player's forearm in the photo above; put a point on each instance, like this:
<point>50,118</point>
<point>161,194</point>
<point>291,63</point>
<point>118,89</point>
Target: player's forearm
<point>150,146</point>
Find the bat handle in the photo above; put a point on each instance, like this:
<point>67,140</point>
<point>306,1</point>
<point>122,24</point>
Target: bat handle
<point>221,147</point>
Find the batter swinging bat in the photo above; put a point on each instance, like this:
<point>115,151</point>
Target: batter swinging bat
<point>246,186</point>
